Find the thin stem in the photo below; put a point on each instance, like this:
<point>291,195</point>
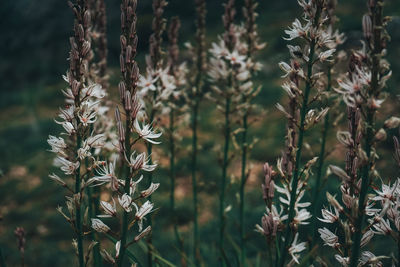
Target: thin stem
<point>295,181</point>
<point>196,249</point>
<point>78,221</point>
<point>2,261</point>
<point>172,176</point>
<point>224,174</point>
<point>321,160</point>
<point>242,195</point>
<point>126,190</point>
<point>150,179</point>
<point>365,179</point>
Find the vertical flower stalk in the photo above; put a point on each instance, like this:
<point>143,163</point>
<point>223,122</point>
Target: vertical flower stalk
<point>157,86</point>
<point>250,42</point>
<point>76,118</point>
<point>302,71</point>
<point>127,90</point>
<point>99,41</point>
<point>222,74</point>
<point>195,95</point>
<point>361,91</point>
<point>133,163</point>
<point>98,74</point>
<point>327,102</point>
<point>178,72</point>
<point>376,37</point>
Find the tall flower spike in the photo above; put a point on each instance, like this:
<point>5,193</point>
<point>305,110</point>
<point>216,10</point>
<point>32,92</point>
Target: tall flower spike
<point>250,40</point>
<point>162,85</point>
<point>193,99</point>
<point>303,81</point>
<point>78,118</point>
<point>127,127</point>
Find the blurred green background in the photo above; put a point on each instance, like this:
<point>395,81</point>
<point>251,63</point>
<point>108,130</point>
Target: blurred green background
<point>33,50</point>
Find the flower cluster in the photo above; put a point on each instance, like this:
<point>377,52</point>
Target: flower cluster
<point>361,89</point>
<point>130,131</point>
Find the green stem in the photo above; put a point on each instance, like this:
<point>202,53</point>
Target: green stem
<point>173,178</point>
<point>125,218</point>
<point>93,211</point>
<point>2,260</point>
<point>321,160</point>
<point>196,249</point>
<point>242,186</point>
<point>295,181</point>
<point>78,221</point>
<point>224,174</point>
<point>373,92</point>
<point>150,179</point>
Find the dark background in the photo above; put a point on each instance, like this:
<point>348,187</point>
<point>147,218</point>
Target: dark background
<point>33,50</point>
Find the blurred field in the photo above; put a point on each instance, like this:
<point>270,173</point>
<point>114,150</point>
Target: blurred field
<point>33,52</point>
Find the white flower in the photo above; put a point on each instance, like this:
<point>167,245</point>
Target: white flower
<point>143,233</point>
<point>147,82</point>
<point>219,50</point>
<point>88,112</point>
<point>297,30</point>
<point>324,56</point>
<point>68,127</point>
<point>109,209</point>
<point>383,227</point>
<point>125,201</point>
<point>84,151</point>
<point>152,188</point>
<point>97,141</point>
<point>235,58</point>
<point>329,238</point>
<point>146,132</point>
<point>99,226</point>
<point>57,145</point>
<point>368,258</point>
<point>145,209</point>
<point>66,166</point>
<point>344,261</point>
<point>57,179</point>
<point>302,216</point>
<point>329,216</point>
<point>106,173</point>
<point>117,248</point>
<point>94,90</point>
<point>141,162</point>
<point>388,192</point>
<point>296,248</point>
<point>67,114</point>
<point>366,237</point>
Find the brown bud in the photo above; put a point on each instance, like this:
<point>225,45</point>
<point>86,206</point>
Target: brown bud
<point>86,19</point>
<point>75,87</point>
<point>122,89</point>
<point>122,63</point>
<point>128,101</point>
<point>128,54</point>
<point>81,33</point>
<point>122,40</point>
<point>367,26</point>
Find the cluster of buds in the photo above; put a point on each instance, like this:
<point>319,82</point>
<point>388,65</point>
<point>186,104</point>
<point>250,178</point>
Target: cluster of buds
<point>158,86</point>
